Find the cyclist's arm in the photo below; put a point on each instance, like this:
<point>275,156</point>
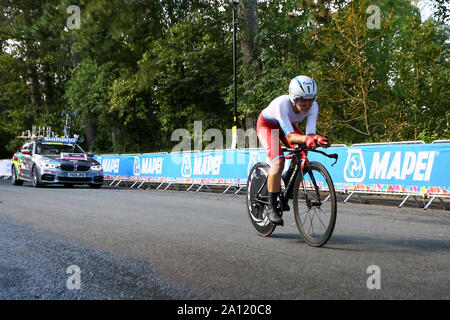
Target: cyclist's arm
<point>311,120</point>
<point>296,138</point>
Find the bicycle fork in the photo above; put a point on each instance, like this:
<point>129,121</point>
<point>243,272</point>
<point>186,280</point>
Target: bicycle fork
<point>289,190</point>
<point>310,203</point>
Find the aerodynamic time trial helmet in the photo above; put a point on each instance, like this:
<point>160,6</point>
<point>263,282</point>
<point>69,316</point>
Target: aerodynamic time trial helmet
<point>302,87</point>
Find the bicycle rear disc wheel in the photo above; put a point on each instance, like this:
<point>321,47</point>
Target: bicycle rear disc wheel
<point>315,212</point>
<point>257,211</point>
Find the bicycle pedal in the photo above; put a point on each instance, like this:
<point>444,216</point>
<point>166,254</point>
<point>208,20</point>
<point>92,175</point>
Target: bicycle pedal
<point>281,223</point>
<point>281,209</point>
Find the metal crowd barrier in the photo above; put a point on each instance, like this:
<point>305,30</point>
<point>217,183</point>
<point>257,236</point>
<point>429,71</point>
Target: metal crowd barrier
<point>406,194</point>
<point>348,192</point>
<point>236,188</point>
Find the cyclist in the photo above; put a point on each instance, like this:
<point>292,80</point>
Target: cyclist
<point>277,123</point>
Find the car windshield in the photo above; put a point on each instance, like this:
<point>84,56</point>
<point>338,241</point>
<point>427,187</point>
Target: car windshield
<point>57,148</point>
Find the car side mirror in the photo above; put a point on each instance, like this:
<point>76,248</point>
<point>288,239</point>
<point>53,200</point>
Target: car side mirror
<point>90,155</point>
<point>26,152</point>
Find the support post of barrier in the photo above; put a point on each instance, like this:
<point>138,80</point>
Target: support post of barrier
<point>133,185</point>
<point>434,197</point>
<point>118,183</point>
<point>340,196</point>
<point>170,183</point>
<point>201,186</point>
<point>360,199</point>
<point>112,182</point>
<point>418,203</point>
<point>429,202</point>
<point>349,196</point>
<point>190,187</point>
<point>240,187</point>
<point>404,200</point>
<point>140,184</point>
<point>228,188</point>
<point>160,185</point>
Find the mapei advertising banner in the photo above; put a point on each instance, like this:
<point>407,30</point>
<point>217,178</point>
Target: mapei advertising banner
<point>220,166</point>
<point>408,168</point>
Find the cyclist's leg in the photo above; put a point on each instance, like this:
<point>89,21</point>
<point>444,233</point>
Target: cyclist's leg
<point>268,135</point>
<point>274,179</point>
<point>274,187</point>
<point>288,172</point>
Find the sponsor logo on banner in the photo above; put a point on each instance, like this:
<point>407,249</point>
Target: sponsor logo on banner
<point>402,165</point>
<point>355,169</point>
<point>111,165</point>
<point>207,165</point>
<point>186,167</point>
<point>151,165</point>
<point>137,166</point>
<point>254,159</point>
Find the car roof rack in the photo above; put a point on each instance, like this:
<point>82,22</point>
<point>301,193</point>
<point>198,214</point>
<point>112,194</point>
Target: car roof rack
<point>46,134</point>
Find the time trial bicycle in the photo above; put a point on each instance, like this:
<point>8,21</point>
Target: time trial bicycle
<point>309,186</point>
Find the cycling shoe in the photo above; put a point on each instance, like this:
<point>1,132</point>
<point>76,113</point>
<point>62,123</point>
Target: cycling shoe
<point>274,216</point>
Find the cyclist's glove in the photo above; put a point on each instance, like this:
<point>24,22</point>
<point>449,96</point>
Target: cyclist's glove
<point>322,142</point>
<point>310,142</point>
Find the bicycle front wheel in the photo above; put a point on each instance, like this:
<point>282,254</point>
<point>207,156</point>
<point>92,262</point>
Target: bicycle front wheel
<point>315,206</point>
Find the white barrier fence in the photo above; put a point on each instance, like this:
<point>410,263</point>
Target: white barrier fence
<point>5,169</point>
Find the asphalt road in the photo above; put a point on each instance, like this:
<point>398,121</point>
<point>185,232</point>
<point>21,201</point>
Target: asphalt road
<point>147,244</point>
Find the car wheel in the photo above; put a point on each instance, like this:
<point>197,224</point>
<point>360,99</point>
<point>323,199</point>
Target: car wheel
<point>14,177</point>
<point>36,181</point>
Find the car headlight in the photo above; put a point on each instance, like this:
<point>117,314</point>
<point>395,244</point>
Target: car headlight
<point>96,167</point>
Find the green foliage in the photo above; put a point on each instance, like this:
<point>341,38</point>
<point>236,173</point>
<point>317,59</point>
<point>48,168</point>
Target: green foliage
<point>421,89</point>
<point>186,71</point>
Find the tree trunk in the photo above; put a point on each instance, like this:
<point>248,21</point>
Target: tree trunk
<point>48,87</point>
<point>117,139</point>
<point>91,130</point>
<point>248,25</point>
<point>35,98</point>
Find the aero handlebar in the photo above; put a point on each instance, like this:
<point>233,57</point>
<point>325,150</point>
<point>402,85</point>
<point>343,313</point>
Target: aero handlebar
<point>302,147</point>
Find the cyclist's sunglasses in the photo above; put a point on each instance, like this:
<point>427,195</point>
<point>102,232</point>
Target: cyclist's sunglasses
<point>302,99</point>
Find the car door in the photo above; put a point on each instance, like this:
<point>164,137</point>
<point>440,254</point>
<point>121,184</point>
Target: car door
<point>26,163</point>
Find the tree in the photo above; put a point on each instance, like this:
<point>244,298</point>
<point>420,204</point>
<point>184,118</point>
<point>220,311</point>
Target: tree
<point>14,96</point>
<point>87,93</point>
<point>421,80</point>
<point>38,58</point>
<point>345,72</point>
<point>187,69</point>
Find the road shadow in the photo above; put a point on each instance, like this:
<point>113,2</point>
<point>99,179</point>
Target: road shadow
<point>345,242</point>
<point>27,184</point>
